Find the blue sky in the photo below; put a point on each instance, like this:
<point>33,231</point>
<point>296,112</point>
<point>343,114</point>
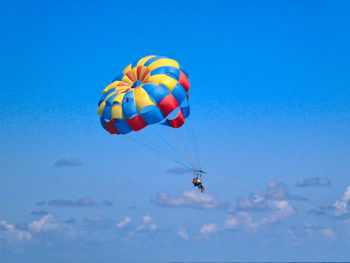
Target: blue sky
<point>270,101</point>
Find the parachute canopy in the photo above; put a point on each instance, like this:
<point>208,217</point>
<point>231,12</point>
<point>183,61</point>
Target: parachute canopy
<point>151,90</point>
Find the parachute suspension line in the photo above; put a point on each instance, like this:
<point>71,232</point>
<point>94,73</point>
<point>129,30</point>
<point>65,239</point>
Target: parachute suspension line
<point>191,135</point>
<point>179,153</point>
<point>184,148</point>
<point>155,150</point>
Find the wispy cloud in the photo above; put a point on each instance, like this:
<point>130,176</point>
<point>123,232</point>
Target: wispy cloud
<point>81,202</point>
<point>147,224</point>
<point>314,182</point>
<point>63,162</point>
<point>193,199</point>
<point>39,213</point>
<point>307,230</point>
<point>182,232</point>
<point>209,228</point>
<point>125,222</point>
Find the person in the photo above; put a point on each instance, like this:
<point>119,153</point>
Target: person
<point>197,183</point>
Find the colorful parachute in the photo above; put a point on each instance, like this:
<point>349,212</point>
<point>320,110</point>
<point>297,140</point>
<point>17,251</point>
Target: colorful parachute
<point>152,90</point>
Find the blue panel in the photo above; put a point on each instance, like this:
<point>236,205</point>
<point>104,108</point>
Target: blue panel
<point>122,126</point>
<point>111,98</point>
<point>129,107</point>
<point>170,71</point>
<point>166,123</point>
<point>103,123</point>
<point>179,93</point>
<point>129,95</point>
<point>105,95</point>
<point>107,111</point>
<point>119,77</point>
<point>157,92</point>
<point>151,60</point>
<point>186,111</point>
<point>153,116</point>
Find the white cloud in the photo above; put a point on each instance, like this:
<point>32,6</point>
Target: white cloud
<point>192,199</point>
<point>209,228</point>
<point>125,222</point>
<point>342,207</point>
<point>273,203</point>
<point>231,222</point>
<point>311,231</point>
<point>268,199</point>
<point>46,223</point>
<point>329,233</point>
<point>281,209</point>
<point>13,236</point>
<point>146,219</point>
<point>182,232</point>
<point>147,224</point>
<point>246,220</point>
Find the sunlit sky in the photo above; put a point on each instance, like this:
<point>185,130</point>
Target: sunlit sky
<point>270,110</point>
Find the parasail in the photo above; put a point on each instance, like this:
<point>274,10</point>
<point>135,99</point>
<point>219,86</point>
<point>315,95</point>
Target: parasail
<point>151,90</point>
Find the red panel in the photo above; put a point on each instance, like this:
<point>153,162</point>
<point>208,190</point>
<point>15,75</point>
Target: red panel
<point>136,123</point>
<point>145,73</point>
<point>168,104</point>
<point>130,76</point>
<point>122,83</point>
<point>111,128</point>
<point>183,80</point>
<point>139,68</point>
<point>178,121</point>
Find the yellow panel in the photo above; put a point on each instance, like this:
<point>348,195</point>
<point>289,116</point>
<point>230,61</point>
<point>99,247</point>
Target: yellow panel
<point>101,108</point>
<point>117,112</point>
<point>112,85</point>
<point>163,79</point>
<point>127,80</point>
<point>112,93</point>
<point>134,73</point>
<point>163,62</point>
<point>142,61</point>
<point>142,99</point>
<point>119,97</point>
<point>127,69</point>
